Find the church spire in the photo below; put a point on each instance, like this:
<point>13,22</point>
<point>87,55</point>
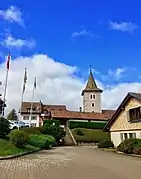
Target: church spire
<point>91,84</point>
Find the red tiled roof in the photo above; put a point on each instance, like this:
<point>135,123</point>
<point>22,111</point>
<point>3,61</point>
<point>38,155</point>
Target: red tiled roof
<point>108,113</point>
<point>77,115</point>
<point>38,107</point>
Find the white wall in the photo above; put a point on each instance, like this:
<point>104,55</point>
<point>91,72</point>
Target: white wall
<point>87,102</point>
<point>32,121</point>
<point>116,136</point>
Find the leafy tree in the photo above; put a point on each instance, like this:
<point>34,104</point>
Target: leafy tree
<point>52,127</point>
<point>12,115</point>
<point>4,127</point>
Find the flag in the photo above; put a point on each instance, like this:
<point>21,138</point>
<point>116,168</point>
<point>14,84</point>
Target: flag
<point>25,76</point>
<point>8,61</point>
<point>35,83</point>
<point>23,87</point>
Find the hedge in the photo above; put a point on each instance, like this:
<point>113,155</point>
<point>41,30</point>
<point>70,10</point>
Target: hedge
<point>87,125</point>
<point>91,135</point>
<point>49,122</point>
<point>41,141</point>
<point>33,130</point>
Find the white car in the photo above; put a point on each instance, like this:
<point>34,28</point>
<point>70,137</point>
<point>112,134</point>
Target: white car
<point>17,124</point>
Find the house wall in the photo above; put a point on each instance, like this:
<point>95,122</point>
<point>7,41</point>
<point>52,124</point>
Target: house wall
<point>87,102</point>
<point>121,123</point>
<point>36,122</point>
<point>116,136</point>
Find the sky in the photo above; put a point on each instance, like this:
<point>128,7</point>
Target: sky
<point>57,41</point>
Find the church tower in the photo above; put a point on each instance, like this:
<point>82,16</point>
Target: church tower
<point>91,96</point>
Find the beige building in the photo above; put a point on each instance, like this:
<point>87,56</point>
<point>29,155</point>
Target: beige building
<point>126,122</point>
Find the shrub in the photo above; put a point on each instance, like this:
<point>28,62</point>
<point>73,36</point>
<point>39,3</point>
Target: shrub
<point>18,138</point>
<point>105,144</point>
<point>129,145</point>
<point>51,140</point>
<point>38,141</point>
<point>4,127</point>
<point>86,125</point>
<point>79,132</point>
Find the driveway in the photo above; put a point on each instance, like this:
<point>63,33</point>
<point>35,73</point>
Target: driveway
<point>72,163</point>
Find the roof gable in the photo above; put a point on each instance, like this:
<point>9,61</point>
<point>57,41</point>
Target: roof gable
<point>121,106</point>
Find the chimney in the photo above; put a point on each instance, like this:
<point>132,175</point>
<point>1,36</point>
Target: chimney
<point>80,109</point>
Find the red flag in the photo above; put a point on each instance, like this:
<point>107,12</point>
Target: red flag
<point>8,61</point>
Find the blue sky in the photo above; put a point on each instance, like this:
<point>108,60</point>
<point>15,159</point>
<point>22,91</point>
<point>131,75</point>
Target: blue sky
<point>104,34</point>
<point>52,23</point>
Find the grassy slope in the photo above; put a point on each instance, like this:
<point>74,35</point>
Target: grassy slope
<point>91,135</point>
<point>6,148</point>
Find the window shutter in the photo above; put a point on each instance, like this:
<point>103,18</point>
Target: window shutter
<point>128,116</point>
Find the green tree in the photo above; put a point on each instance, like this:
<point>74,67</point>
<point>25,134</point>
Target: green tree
<point>12,115</point>
<point>4,127</point>
<point>52,127</point>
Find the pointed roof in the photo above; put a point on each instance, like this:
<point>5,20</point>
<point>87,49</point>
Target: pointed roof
<point>91,85</point>
<point>121,107</point>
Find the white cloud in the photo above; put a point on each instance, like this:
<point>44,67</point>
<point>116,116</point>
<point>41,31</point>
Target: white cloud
<point>84,33</point>
<point>11,42</point>
<point>117,74</point>
<point>123,26</point>
<point>12,14</point>
<point>56,84</point>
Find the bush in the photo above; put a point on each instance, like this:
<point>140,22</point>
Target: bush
<point>51,139</point>
<point>4,127</point>
<point>79,132</point>
<point>87,125</point>
<point>39,141</point>
<point>33,130</point>
<point>129,145</point>
<point>52,127</point>
<point>18,138</point>
<point>105,144</point>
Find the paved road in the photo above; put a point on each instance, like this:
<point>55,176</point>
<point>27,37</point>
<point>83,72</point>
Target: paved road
<point>72,163</point>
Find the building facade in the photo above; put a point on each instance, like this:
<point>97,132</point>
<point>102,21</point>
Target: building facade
<point>126,122</point>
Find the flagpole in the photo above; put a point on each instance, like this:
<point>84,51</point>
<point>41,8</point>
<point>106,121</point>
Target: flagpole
<point>21,106</point>
<point>5,88</point>
<point>23,89</point>
<point>31,108</point>
<point>6,81</point>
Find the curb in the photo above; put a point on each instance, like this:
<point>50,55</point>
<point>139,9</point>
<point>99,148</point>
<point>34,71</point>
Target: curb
<point>18,155</point>
<point>132,155</point>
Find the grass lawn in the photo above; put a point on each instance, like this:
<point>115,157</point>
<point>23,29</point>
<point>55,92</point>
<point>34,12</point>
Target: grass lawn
<point>6,148</point>
<point>90,135</point>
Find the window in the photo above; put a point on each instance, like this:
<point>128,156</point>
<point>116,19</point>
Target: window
<point>25,117</point>
<point>92,96</point>
<point>125,136</point>
<point>135,114</point>
<point>92,104</point>
<point>34,118</point>
<point>132,135</point>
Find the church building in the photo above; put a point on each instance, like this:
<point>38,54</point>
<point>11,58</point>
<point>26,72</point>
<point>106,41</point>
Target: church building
<point>92,110</point>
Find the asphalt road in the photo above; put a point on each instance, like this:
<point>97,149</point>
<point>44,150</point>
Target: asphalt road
<point>72,163</point>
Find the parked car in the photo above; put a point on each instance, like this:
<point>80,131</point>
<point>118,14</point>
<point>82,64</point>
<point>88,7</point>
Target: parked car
<point>17,124</point>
